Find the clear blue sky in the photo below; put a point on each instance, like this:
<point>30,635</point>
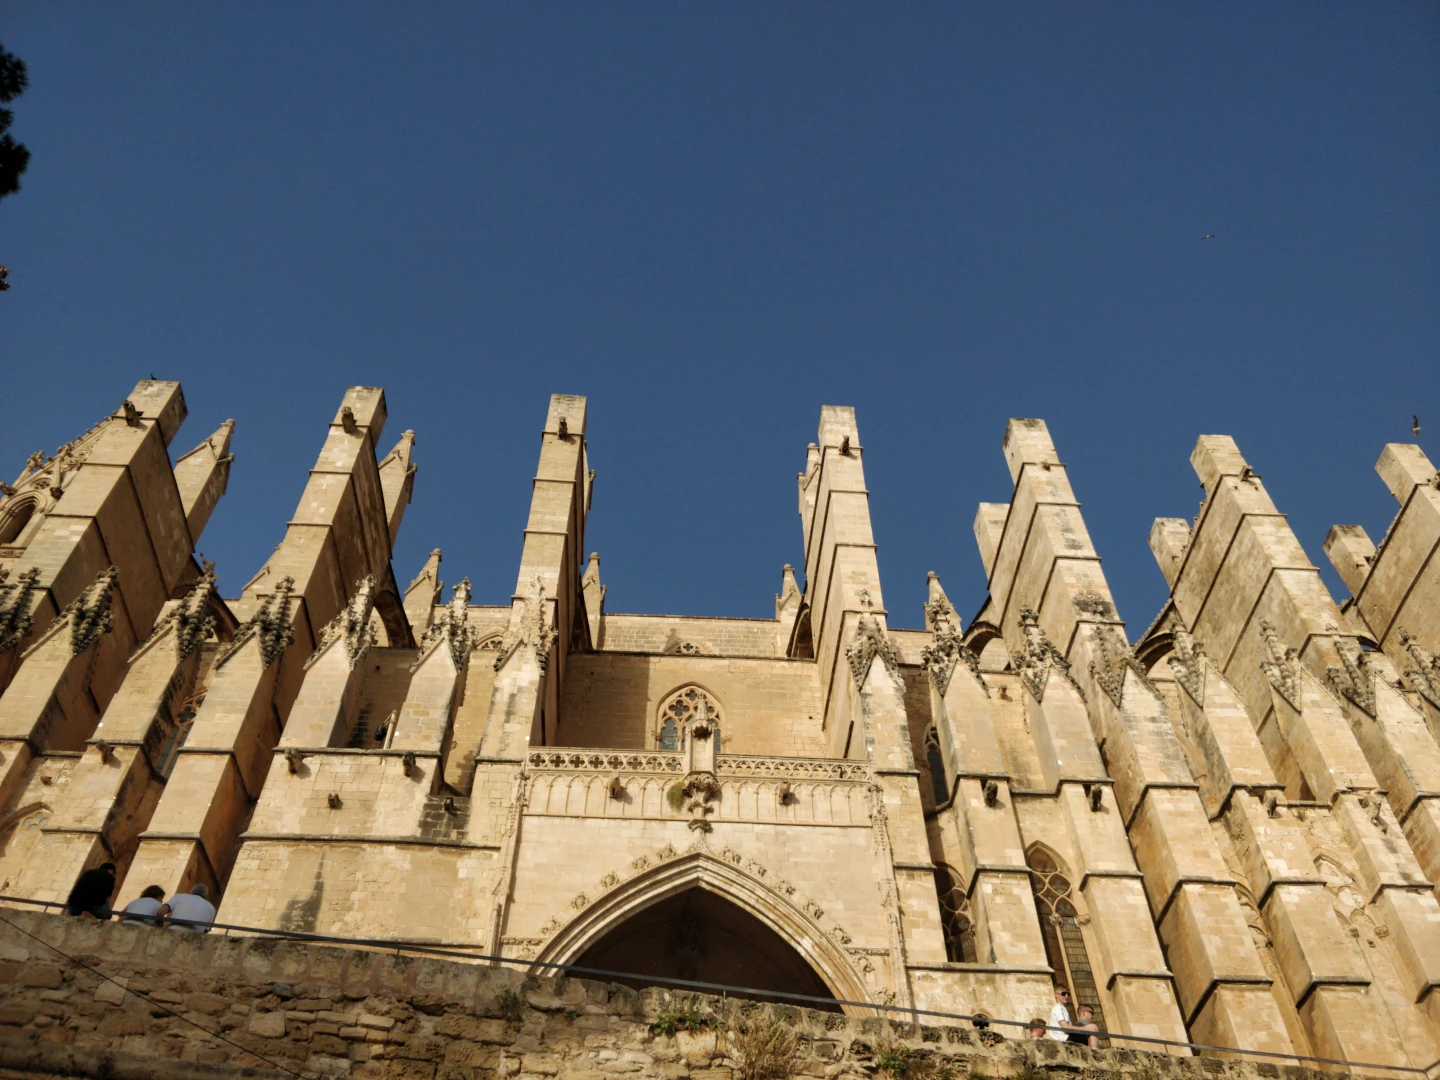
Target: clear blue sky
<point>713,218</point>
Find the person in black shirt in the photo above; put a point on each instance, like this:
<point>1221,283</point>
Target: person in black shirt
<point>91,894</point>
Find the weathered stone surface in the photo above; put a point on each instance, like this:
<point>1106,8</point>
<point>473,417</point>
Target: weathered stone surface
<point>1228,831</point>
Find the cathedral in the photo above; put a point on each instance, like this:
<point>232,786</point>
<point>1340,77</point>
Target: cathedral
<point>1222,829</point>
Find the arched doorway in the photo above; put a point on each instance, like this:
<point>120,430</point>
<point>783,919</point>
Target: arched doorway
<point>700,935</point>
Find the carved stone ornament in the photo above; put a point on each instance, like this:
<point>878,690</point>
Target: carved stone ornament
<point>16,617</point>
<point>1039,656</point>
<point>1113,658</point>
<point>351,626</point>
<point>1280,668</point>
<point>869,642</point>
<point>535,632</point>
<point>1354,677</point>
<point>270,626</point>
<point>699,792</point>
<point>452,628</point>
<point>1424,675</point>
<point>1185,665</point>
<point>191,618</point>
<point>89,613</point>
<point>947,650</point>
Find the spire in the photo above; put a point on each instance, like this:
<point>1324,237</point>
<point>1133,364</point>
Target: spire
<point>202,475</point>
<point>397,480</point>
<point>594,598</point>
<point>422,594</point>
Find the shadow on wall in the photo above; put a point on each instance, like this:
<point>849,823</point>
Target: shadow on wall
<point>699,935</point>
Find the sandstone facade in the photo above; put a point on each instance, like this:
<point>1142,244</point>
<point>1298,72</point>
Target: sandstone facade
<point>1226,830</point>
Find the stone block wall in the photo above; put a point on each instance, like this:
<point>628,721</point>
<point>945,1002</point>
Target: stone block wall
<point>262,1006</point>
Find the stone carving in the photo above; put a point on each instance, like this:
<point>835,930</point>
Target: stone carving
<point>1039,657</point>
<point>16,617</point>
<point>88,615</point>
<point>869,642</point>
<point>1185,664</point>
<point>1354,677</point>
<point>1114,658</point>
<point>535,631</point>
<point>1424,676</point>
<point>701,790</point>
<point>270,626</point>
<point>451,628</point>
<point>351,626</point>
<point>1092,603</point>
<point>947,649</point>
<point>191,617</point>
<point>1280,669</point>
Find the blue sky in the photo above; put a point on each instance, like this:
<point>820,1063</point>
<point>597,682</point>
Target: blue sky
<point>713,218</point>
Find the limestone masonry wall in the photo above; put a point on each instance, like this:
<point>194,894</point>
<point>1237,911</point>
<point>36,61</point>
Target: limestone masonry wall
<point>321,1011</point>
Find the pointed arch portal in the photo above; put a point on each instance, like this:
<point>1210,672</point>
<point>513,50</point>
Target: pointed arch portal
<point>700,918</point>
<point>700,935</point>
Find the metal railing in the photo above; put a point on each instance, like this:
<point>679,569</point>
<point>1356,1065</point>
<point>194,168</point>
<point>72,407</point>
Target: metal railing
<point>978,1021</point>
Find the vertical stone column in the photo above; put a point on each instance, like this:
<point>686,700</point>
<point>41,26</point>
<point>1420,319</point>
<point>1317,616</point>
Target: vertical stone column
<point>524,704</point>
<point>1246,588</point>
<point>864,709</point>
<point>996,877</point>
<point>340,533</point>
<point>1054,608</point>
<point>201,477</point>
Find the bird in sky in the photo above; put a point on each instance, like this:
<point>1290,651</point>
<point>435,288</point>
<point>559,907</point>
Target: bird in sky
<point>1208,236</point>
<point>1414,424</point>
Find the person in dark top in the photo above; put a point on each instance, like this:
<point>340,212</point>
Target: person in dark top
<point>91,894</point>
<point>1087,1031</point>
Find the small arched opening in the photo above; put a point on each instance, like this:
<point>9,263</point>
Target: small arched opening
<point>700,935</point>
<point>14,518</point>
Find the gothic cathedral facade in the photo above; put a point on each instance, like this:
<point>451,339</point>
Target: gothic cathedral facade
<point>1224,829</point>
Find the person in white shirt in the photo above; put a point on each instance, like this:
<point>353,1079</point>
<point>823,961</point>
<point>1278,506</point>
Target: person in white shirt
<point>193,908</point>
<point>1060,1015</point>
<point>147,908</point>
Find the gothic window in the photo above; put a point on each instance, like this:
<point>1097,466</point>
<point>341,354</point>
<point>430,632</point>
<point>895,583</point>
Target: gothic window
<point>955,917</point>
<point>1060,927</point>
<point>938,779</point>
<point>14,519</point>
<point>679,711</point>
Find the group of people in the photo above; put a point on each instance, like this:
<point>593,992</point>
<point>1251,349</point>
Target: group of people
<point>1083,1029</point>
<point>184,911</point>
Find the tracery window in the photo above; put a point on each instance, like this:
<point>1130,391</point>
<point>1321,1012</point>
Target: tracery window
<point>1060,927</point>
<point>676,715</point>
<point>955,920</point>
<point>938,779</point>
